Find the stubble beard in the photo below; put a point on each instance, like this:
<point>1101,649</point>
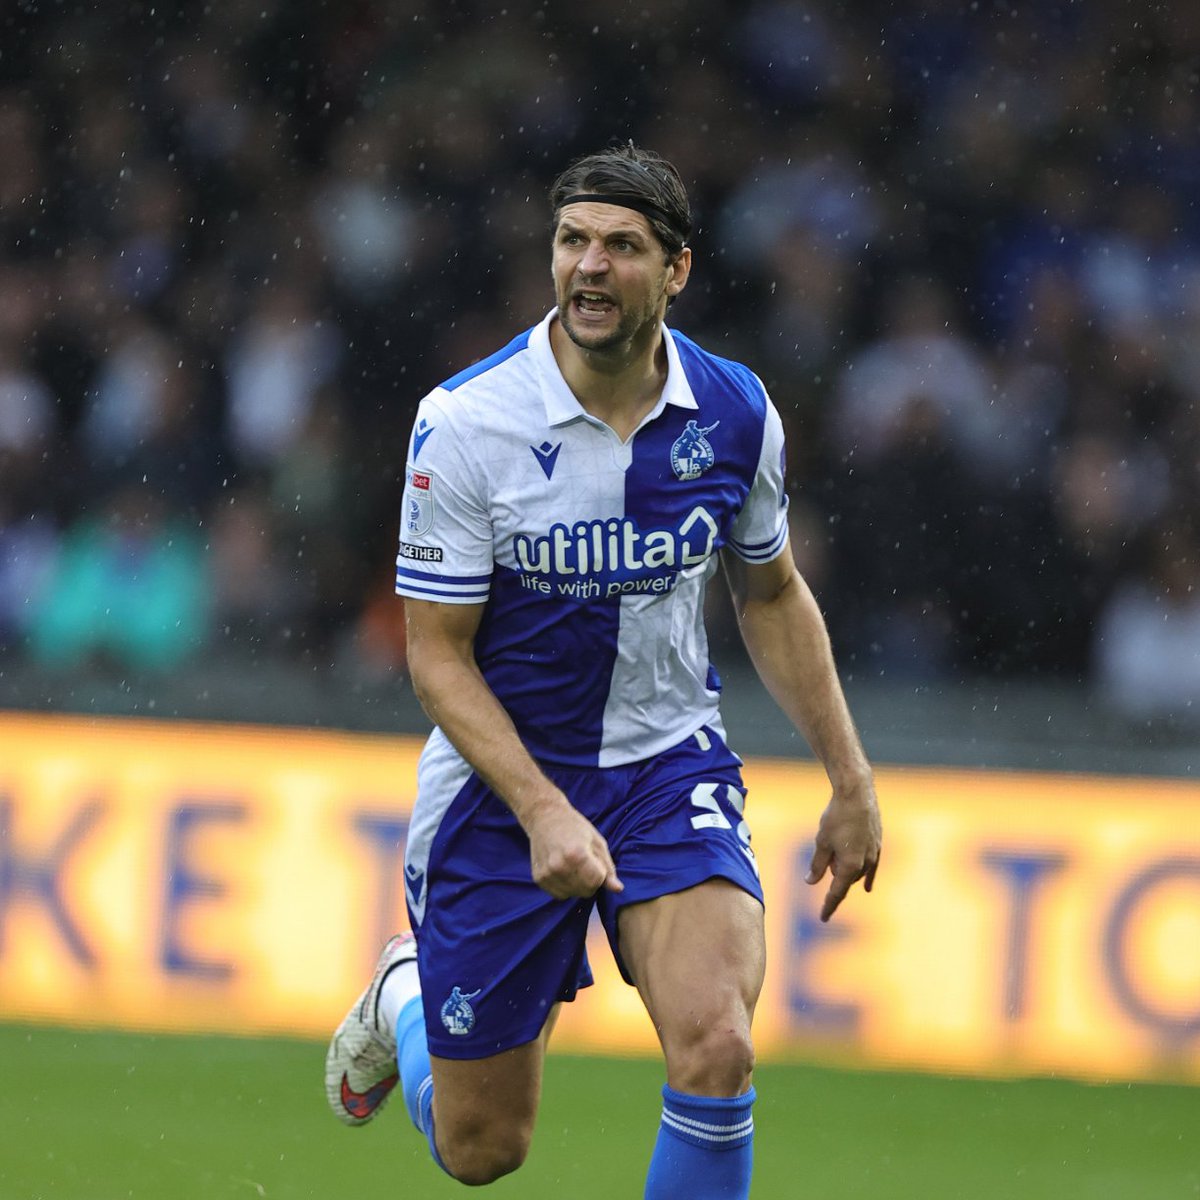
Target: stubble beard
<point>627,328</point>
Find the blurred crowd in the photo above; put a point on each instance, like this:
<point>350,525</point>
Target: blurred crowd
<point>959,242</point>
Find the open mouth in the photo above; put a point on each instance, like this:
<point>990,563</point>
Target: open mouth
<point>593,303</point>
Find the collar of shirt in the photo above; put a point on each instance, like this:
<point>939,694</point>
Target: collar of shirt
<point>561,405</point>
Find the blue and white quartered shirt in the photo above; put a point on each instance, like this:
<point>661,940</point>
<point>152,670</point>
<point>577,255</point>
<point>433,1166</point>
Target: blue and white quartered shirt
<point>591,555</point>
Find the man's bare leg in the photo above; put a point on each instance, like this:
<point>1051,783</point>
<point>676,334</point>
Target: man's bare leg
<point>484,1109</point>
<point>698,958</point>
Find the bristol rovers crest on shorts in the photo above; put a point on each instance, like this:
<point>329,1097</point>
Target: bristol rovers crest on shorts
<point>457,1014</point>
<point>691,455</point>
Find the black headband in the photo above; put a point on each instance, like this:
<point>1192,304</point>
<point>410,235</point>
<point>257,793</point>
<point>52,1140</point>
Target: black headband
<point>646,207</point>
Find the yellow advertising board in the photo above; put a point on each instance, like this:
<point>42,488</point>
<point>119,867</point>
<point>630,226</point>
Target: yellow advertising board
<point>173,876</point>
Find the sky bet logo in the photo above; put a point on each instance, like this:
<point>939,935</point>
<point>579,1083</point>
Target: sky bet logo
<point>613,557</point>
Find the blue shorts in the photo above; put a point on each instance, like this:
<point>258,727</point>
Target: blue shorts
<point>496,952</point>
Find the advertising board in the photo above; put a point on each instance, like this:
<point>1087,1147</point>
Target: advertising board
<point>173,876</point>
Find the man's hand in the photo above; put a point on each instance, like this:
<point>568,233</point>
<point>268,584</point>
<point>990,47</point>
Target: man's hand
<point>567,855</point>
<point>848,843</point>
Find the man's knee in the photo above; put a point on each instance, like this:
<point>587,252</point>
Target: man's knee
<point>477,1152</point>
<point>712,1059</point>
<point>484,1112</point>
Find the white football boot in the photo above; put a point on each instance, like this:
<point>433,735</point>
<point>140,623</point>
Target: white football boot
<point>360,1065</point>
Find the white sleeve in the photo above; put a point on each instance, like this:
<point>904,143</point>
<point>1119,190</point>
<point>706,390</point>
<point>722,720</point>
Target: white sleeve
<point>445,526</point>
<point>760,530</point>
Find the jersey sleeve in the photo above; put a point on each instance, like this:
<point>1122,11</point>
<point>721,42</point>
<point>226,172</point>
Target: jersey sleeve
<point>445,526</point>
<point>760,530</point>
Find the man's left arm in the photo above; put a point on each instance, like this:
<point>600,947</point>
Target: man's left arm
<point>788,643</point>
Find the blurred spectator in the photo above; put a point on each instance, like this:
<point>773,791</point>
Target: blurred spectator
<point>922,360</point>
<point>1147,641</point>
<point>378,646</point>
<point>151,233</point>
<point>28,552</point>
<point>821,191</point>
<point>151,419</point>
<point>277,362</point>
<point>23,179</point>
<point>252,602</point>
<point>908,516</point>
<point>27,422</point>
<point>130,588</point>
<point>811,300</point>
<point>366,224</point>
<point>126,404</point>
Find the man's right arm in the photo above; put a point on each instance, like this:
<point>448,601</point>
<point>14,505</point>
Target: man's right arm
<point>568,856</point>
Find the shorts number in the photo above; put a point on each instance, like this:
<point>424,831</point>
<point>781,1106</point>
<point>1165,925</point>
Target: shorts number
<point>704,796</point>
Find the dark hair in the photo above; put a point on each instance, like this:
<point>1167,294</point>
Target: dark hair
<point>641,176</point>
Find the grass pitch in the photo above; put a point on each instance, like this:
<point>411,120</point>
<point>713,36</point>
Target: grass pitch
<point>107,1116</point>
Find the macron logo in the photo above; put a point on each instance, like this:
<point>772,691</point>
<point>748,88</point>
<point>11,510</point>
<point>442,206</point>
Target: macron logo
<point>547,456</point>
<point>420,434</point>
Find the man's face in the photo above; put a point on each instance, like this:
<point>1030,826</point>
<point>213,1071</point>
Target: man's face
<point>611,277</point>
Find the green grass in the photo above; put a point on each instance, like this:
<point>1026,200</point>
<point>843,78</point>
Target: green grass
<point>107,1116</point>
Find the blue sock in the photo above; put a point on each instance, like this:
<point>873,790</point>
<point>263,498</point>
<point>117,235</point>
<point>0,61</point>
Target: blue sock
<point>704,1149</point>
<point>416,1078</point>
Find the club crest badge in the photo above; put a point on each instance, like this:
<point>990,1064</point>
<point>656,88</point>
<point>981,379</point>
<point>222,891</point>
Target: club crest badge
<point>457,1014</point>
<point>692,455</point>
<point>418,503</point>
